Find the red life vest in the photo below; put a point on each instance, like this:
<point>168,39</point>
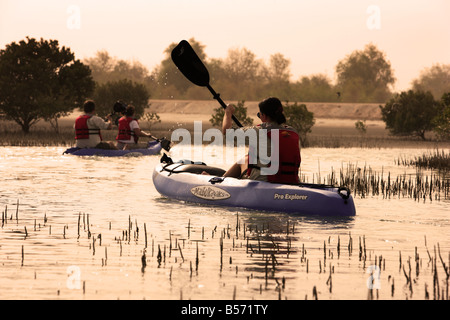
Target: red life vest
<point>289,158</point>
<point>125,132</point>
<point>82,130</point>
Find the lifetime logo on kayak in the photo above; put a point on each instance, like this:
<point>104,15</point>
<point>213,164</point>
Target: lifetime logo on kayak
<point>210,193</point>
<point>288,196</point>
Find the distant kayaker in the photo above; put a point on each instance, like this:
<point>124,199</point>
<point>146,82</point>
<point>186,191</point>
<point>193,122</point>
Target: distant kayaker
<point>272,117</point>
<point>129,131</point>
<point>88,127</point>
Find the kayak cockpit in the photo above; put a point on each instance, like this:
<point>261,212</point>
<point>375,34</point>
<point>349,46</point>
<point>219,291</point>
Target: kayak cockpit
<point>193,168</point>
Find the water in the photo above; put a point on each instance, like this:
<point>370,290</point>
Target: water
<point>79,233</point>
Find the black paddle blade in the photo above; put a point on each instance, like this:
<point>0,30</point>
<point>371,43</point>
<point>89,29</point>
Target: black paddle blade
<point>190,64</point>
<point>165,144</point>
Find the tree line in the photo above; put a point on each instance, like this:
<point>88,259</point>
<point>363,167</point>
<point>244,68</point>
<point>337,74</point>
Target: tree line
<point>363,76</point>
<point>39,80</point>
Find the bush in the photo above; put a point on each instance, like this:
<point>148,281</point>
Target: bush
<point>410,113</point>
<point>300,119</point>
<point>361,127</point>
<point>240,112</point>
<point>129,92</point>
<point>441,122</point>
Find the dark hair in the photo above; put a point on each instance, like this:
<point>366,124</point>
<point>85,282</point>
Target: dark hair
<point>129,111</point>
<point>273,108</point>
<point>89,106</point>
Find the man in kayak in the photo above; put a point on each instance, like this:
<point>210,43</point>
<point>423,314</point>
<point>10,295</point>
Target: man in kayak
<point>88,127</point>
<point>272,117</point>
<point>129,131</point>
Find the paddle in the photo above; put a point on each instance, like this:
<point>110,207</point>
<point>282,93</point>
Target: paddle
<point>193,69</point>
<point>120,107</point>
<point>165,144</point>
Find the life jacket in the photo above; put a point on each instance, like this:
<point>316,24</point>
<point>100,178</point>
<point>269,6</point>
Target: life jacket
<point>82,130</point>
<point>125,132</point>
<point>289,158</point>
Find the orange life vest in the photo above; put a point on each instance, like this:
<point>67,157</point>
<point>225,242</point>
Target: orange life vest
<point>125,132</point>
<point>289,158</point>
<point>82,130</point>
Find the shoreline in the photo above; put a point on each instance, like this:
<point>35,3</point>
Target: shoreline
<point>334,127</point>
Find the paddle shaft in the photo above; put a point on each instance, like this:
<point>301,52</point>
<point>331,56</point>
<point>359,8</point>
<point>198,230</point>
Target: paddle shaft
<point>217,97</point>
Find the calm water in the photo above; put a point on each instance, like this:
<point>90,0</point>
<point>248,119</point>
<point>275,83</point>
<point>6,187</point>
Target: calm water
<point>83,225</point>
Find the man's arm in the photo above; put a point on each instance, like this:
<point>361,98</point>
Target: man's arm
<point>227,118</point>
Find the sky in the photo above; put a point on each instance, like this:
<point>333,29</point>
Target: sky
<point>313,34</point>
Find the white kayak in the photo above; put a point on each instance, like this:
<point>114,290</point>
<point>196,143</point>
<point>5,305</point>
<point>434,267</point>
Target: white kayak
<point>184,181</point>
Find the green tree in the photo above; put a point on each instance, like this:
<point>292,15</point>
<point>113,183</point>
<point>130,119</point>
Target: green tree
<point>240,112</point>
<point>441,123</point>
<point>410,113</point>
<point>365,76</point>
<point>300,119</point>
<point>435,79</point>
<point>129,92</point>
<point>40,80</point>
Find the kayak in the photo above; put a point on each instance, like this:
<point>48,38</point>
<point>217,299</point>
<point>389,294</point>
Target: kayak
<point>154,147</point>
<point>184,181</point>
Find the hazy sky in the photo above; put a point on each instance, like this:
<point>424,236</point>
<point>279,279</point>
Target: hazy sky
<point>313,34</point>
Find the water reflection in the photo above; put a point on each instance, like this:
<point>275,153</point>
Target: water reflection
<point>200,252</point>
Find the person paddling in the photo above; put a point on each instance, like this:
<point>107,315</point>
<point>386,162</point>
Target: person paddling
<point>88,127</point>
<point>129,131</point>
<point>289,158</point>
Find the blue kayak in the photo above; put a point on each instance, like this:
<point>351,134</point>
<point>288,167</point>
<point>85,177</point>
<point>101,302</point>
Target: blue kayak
<point>184,181</point>
<point>154,147</point>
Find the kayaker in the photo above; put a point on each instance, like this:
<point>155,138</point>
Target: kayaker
<point>272,117</point>
<point>88,127</point>
<point>129,131</point>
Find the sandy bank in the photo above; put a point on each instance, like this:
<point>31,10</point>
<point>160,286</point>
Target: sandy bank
<point>354,111</point>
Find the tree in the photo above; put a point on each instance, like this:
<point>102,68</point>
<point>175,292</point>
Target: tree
<point>315,88</point>
<point>39,80</point>
<point>242,73</point>
<point>166,80</point>
<point>435,79</point>
<point>410,113</point>
<point>277,77</point>
<point>365,76</point>
<point>240,112</point>
<point>106,68</point>
<point>441,123</point>
<point>131,93</point>
<point>300,119</point>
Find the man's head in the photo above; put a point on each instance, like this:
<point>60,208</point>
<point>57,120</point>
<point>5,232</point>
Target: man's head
<point>89,106</point>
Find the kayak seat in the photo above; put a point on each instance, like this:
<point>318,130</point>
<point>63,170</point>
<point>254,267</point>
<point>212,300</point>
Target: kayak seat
<point>195,168</point>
